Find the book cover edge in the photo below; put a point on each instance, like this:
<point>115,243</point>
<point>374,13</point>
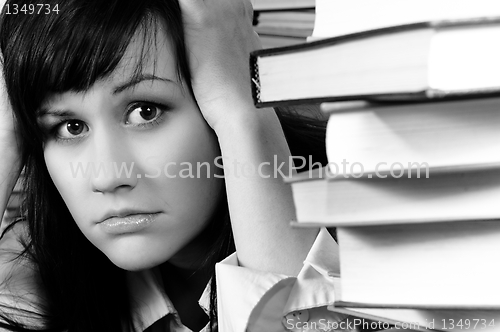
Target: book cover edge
<point>347,304</point>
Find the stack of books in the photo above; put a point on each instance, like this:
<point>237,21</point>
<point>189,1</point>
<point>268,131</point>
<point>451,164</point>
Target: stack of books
<point>412,90</point>
<point>282,23</point>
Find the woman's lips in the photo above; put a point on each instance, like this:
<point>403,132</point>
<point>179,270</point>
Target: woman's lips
<point>128,224</point>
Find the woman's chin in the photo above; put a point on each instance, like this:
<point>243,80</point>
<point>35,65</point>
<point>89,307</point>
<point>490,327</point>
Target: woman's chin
<point>136,260</point>
<point>134,264</point>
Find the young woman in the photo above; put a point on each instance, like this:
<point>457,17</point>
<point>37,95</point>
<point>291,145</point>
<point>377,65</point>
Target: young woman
<point>125,112</point>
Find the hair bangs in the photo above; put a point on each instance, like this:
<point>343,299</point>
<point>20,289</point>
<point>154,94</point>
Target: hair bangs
<point>82,53</point>
<point>70,51</point>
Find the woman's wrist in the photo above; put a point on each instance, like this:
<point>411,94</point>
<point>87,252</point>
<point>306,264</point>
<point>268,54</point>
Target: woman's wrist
<point>245,118</point>
<point>254,142</point>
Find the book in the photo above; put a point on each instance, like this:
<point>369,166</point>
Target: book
<point>337,17</point>
<point>423,60</point>
<point>428,319</point>
<point>303,19</point>
<point>271,5</point>
<point>370,137</point>
<point>428,266</point>
<point>272,41</point>
<point>410,319</point>
<point>447,195</point>
<point>283,28</point>
<point>287,31</point>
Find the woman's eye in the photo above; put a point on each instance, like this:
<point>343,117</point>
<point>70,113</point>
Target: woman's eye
<point>71,129</point>
<point>142,114</point>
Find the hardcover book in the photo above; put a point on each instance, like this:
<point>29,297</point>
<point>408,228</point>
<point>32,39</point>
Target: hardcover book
<point>417,61</point>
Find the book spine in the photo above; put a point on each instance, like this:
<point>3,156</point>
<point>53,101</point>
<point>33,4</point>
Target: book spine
<point>374,98</point>
<point>254,76</point>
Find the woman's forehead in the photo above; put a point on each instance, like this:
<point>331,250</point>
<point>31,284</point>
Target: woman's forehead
<point>148,53</point>
<point>144,59</point>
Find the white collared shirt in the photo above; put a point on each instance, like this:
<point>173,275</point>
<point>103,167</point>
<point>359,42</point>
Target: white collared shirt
<point>250,300</point>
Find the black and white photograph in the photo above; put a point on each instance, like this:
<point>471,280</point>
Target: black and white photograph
<point>249,165</point>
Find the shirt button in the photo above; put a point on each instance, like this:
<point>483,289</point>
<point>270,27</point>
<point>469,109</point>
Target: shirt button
<point>296,319</point>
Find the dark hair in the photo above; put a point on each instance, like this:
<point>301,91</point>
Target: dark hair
<point>70,51</point>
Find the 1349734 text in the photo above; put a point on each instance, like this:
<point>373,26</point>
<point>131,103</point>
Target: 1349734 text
<point>30,9</point>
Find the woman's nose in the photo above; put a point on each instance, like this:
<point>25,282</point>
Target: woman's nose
<point>113,166</point>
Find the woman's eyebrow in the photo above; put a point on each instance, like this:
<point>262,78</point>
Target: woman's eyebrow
<point>55,113</point>
<point>138,79</point>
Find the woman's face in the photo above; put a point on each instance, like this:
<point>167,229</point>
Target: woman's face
<point>124,157</point>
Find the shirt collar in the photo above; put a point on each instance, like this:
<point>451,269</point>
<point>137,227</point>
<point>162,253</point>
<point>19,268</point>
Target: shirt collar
<point>316,281</point>
<point>149,301</point>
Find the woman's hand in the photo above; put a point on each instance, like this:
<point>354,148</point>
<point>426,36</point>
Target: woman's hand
<point>219,37</point>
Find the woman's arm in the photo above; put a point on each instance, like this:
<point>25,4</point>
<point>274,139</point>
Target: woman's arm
<point>9,150</point>
<point>220,37</point>
<point>262,208</point>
